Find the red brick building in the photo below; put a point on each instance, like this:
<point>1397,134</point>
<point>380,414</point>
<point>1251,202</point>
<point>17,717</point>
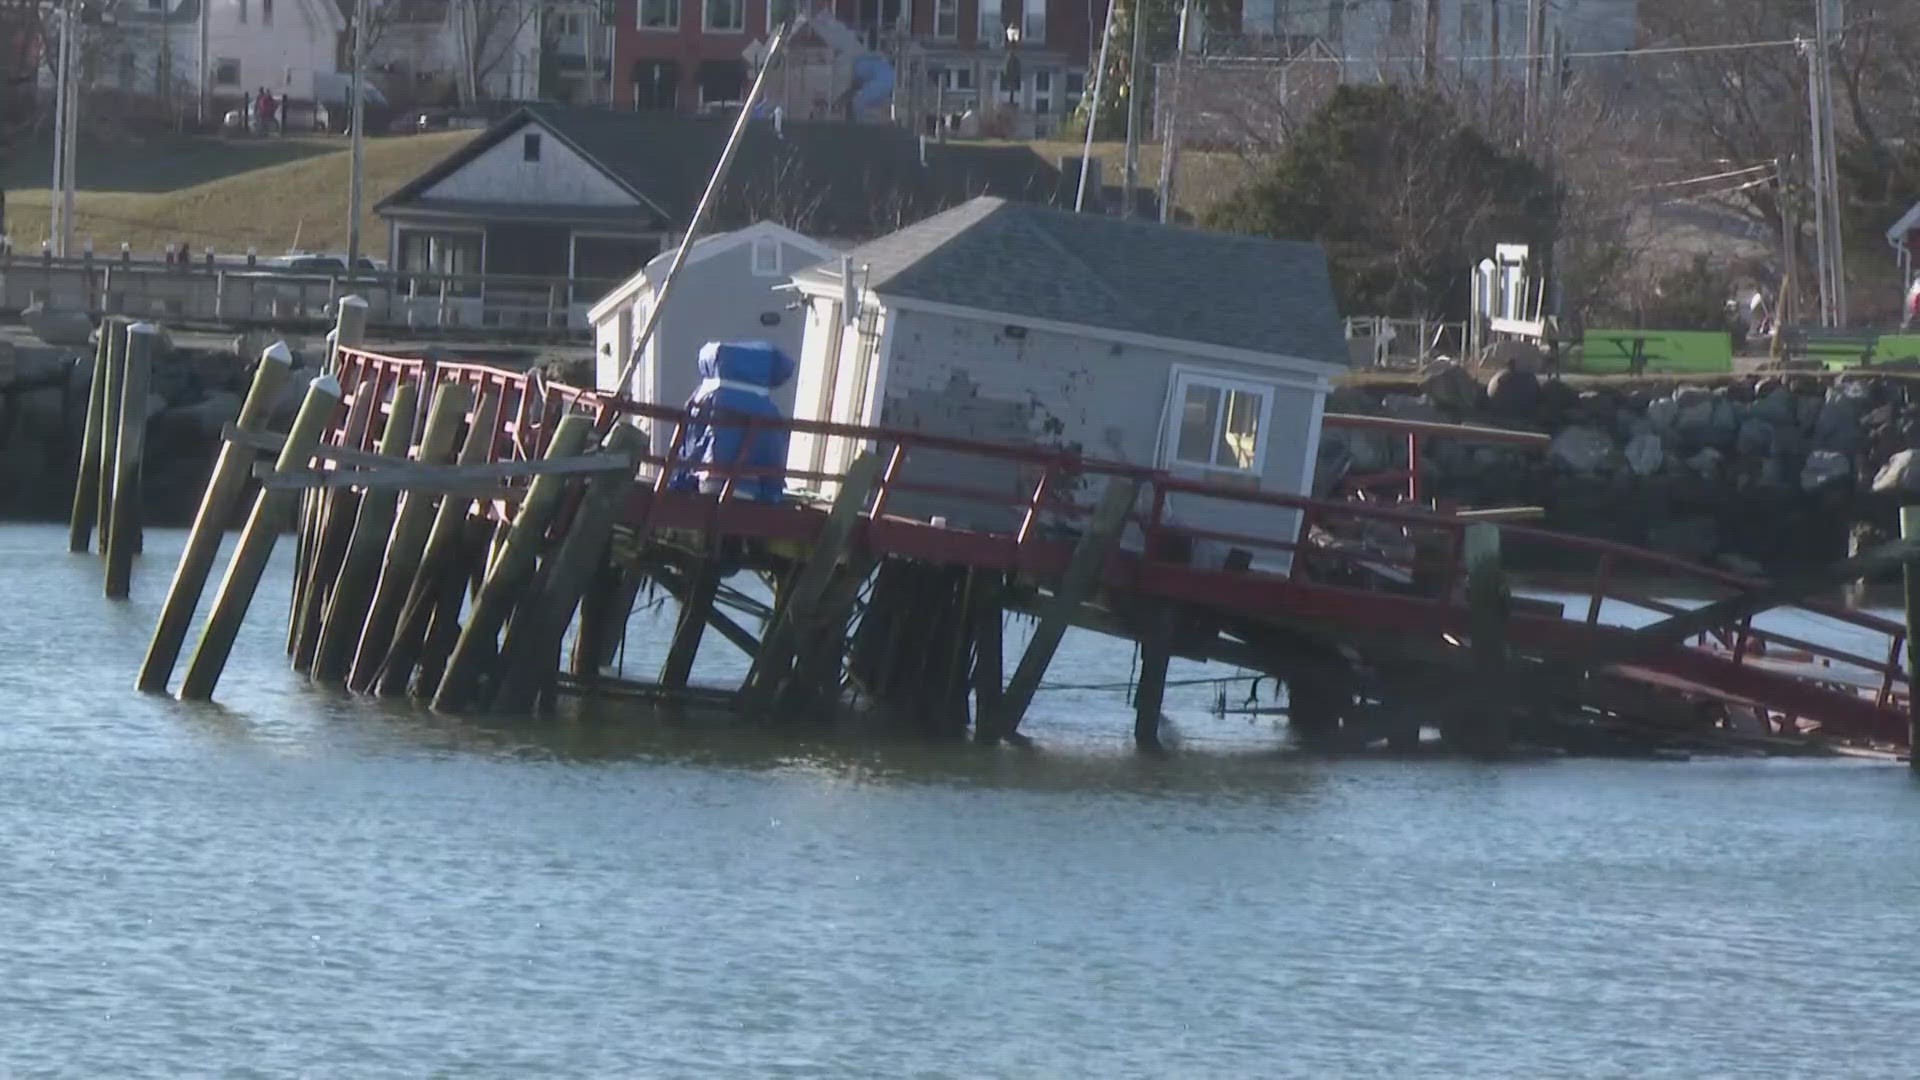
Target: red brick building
<point>1004,63</point>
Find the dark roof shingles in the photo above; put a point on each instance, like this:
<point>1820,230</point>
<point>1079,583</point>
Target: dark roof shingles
<point>1243,292</point>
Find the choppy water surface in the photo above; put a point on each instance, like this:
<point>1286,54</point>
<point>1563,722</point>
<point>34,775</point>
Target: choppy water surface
<point>292,883</point>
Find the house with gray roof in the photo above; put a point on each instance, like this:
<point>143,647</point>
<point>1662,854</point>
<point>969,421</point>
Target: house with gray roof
<point>1206,354</point>
<point>588,196</point>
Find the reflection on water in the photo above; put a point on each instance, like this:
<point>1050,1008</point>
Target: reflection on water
<point>292,882</point>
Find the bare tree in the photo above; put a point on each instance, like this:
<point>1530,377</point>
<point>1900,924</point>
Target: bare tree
<point>488,32</point>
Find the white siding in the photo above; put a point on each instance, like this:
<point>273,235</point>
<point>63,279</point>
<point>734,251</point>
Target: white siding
<point>501,174</point>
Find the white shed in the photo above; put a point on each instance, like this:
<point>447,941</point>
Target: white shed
<point>726,292</point>
<point>1206,354</point>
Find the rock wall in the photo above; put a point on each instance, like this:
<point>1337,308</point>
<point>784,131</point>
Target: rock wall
<point>1769,471</point>
<point>195,392</point>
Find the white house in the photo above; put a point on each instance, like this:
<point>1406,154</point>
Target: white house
<point>731,289</point>
<point>1205,354</point>
<point>278,45</point>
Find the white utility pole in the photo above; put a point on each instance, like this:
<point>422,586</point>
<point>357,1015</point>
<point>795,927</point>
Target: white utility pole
<point>1170,145</point>
<point>1833,9</point>
<point>1132,161</point>
<point>1093,112</point>
<point>355,179</point>
<point>72,156</point>
<point>1823,170</point>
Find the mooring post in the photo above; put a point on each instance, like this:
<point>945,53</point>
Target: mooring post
<point>332,532</point>
<point>349,329</point>
<point>217,504</point>
<point>86,485</point>
<point>530,653</point>
<point>271,509</point>
<point>508,574</point>
<point>129,445</point>
<point>1149,694</point>
<point>1910,530</point>
<point>352,593</point>
<point>1487,604</point>
<point>442,564</point>
<point>408,541</point>
<point>1082,576</point>
<point>116,334</point>
<point>778,645</point>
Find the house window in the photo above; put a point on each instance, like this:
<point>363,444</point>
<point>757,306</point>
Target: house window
<point>946,19</point>
<point>780,12</point>
<point>726,16</point>
<point>659,14</point>
<point>1220,423</point>
<point>766,257</point>
<point>266,12</point>
<point>529,147</point>
<point>243,10</point>
<point>156,5</point>
<point>991,32</point>
<point>936,77</point>
<point>226,73</point>
<point>1042,93</point>
<point>1076,85</point>
<point>1034,18</point>
<point>961,78</point>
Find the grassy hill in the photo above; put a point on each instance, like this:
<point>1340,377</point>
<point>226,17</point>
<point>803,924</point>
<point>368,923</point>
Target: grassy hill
<point>227,194</point>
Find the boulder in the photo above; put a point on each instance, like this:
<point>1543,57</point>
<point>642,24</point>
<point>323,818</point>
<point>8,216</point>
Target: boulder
<point>1826,470</point>
<point>1582,449</point>
<point>58,326</point>
<point>1645,454</point>
<point>1690,396</point>
<point>1707,462</point>
<point>219,408</point>
<point>1839,426</point>
<point>1514,394</point>
<point>1556,399</point>
<point>1687,538</point>
<point>1755,438</point>
<point>1776,406</point>
<point>1344,399</point>
<point>1409,407</point>
<point>1899,476</point>
<point>1450,388</point>
<point>1663,416</point>
<point>1513,356</point>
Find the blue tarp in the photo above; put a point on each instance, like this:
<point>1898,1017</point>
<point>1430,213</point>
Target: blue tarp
<point>738,378</point>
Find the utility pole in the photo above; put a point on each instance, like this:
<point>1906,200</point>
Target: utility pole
<point>1093,112</point>
<point>1133,115</point>
<point>1536,45</point>
<point>1823,169</point>
<point>1835,17</point>
<point>206,66</point>
<point>1170,146</point>
<point>355,181</point>
<point>70,159</point>
<point>1430,44</point>
<point>61,94</point>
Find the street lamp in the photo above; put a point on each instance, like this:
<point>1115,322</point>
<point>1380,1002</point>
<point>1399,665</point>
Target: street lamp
<point>1010,77</point>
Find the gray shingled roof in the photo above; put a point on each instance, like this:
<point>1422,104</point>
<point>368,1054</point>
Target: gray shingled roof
<point>1017,259</point>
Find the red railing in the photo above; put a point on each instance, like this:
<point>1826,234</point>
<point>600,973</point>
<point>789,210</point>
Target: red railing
<point>1413,553</point>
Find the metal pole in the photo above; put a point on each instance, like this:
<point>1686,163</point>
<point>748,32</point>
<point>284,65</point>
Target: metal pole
<point>71,157</point>
<point>1093,111</point>
<point>719,177</point>
<point>1536,33</point>
<point>60,91</point>
<point>206,66</point>
<point>1816,172</point>
<point>1133,114</point>
<point>1831,159</point>
<point>1170,148</point>
<point>355,182</point>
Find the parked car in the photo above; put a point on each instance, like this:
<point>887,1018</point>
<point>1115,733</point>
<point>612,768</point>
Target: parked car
<point>307,262</point>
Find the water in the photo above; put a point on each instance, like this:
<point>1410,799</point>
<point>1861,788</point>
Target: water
<point>294,884</point>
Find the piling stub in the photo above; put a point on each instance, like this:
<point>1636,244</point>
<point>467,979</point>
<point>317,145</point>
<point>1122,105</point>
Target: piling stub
<point>217,503</point>
<point>408,541</point>
<point>1484,728</point>
<point>349,328</point>
<point>534,636</point>
<point>129,448</point>
<point>1149,696</point>
<point>1910,530</point>
<point>508,573</point>
<point>270,511</point>
<point>86,485</point>
<point>352,593</point>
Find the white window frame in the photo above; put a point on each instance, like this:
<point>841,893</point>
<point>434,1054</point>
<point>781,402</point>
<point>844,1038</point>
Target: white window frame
<point>1033,20</point>
<point>991,31</point>
<point>766,267</point>
<point>706,17</point>
<point>672,11</point>
<point>950,11</point>
<point>1185,377</point>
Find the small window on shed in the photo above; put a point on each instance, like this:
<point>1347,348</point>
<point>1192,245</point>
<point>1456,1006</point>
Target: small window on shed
<point>766,257</point>
<point>530,148</point>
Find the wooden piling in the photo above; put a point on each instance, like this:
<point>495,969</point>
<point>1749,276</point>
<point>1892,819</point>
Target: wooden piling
<point>443,569</point>
<point>1910,530</point>
<point>1078,583</point>
<point>778,645</point>
<point>332,515</point>
<point>1486,728</point>
<point>1150,693</point>
<point>696,604</point>
<point>984,595</point>
<point>349,331</point>
<point>86,485</point>
<point>530,653</point>
<point>352,594</point>
<point>129,449</point>
<point>408,541</point>
<point>508,575</point>
<point>115,331</point>
<point>217,504</point>
<point>271,508</point>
